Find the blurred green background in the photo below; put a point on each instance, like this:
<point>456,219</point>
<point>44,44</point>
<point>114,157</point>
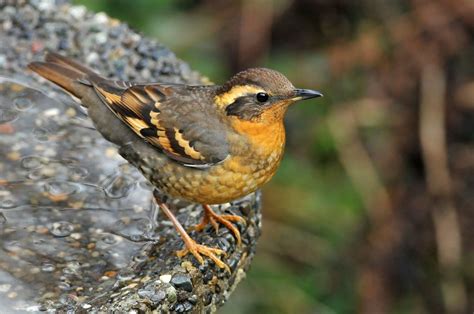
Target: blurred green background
<point>372,210</point>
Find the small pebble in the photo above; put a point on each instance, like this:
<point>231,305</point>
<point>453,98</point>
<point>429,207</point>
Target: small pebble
<point>76,235</point>
<point>101,18</point>
<point>182,281</point>
<point>193,299</point>
<point>12,295</point>
<point>48,267</point>
<point>51,112</point>
<point>77,11</point>
<point>171,294</point>
<point>3,60</point>
<point>92,57</point>
<point>101,38</point>
<point>86,306</point>
<point>165,278</point>
<point>45,5</point>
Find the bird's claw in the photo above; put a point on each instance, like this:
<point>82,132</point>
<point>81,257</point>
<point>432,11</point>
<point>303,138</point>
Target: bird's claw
<point>198,250</point>
<point>210,217</point>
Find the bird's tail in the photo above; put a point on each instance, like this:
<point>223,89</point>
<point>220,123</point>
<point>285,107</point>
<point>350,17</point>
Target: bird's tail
<point>64,72</point>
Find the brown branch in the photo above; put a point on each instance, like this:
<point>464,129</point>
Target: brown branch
<point>438,179</point>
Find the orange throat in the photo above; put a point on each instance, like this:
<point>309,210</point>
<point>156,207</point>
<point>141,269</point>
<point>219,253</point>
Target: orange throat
<point>265,137</point>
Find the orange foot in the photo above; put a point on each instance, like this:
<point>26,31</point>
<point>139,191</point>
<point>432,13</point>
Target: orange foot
<point>214,219</point>
<point>191,246</point>
<point>198,249</point>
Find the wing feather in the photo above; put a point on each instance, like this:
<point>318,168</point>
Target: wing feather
<point>168,121</point>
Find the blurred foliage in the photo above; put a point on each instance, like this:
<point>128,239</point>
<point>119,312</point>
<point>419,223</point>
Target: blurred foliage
<point>371,210</point>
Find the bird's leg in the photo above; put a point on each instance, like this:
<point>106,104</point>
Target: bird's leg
<point>214,219</point>
<point>192,246</point>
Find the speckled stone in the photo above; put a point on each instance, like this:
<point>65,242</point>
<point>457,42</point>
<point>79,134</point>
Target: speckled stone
<point>78,227</point>
<point>182,281</point>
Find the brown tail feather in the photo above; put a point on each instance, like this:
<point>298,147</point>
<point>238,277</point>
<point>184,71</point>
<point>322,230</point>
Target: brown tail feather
<point>53,57</point>
<point>61,75</point>
<point>65,72</point>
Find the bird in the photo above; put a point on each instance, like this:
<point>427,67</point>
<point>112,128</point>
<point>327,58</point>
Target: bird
<point>206,144</point>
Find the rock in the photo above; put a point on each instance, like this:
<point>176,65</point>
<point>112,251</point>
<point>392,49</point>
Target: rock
<point>182,281</point>
<point>78,228</point>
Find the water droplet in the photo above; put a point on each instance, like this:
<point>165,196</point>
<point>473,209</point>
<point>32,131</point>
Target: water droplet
<point>45,172</point>
<point>125,275</point>
<point>78,173</point>
<point>41,134</point>
<point>39,242</point>
<point>144,224</point>
<point>12,246</point>
<point>3,219</point>
<point>8,115</point>
<point>35,175</point>
<point>61,229</point>
<point>32,162</point>
<point>60,188</point>
<point>135,237</point>
<point>22,103</point>
<point>118,186</point>
<point>69,161</point>
<point>135,230</point>
<point>109,239</point>
<point>146,185</point>
<point>48,267</point>
<point>7,203</point>
<point>139,258</point>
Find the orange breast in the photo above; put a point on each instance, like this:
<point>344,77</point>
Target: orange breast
<point>256,151</point>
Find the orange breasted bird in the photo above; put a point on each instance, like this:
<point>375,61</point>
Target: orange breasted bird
<point>207,144</point>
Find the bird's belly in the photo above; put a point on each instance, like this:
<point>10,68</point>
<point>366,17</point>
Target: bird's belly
<point>221,183</point>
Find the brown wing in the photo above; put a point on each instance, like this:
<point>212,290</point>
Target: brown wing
<point>170,118</point>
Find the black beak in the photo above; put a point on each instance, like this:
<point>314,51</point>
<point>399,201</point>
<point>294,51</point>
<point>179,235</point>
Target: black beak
<point>302,94</point>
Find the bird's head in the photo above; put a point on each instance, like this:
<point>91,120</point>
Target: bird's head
<point>260,95</point>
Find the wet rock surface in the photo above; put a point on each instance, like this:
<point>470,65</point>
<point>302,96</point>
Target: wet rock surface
<point>79,230</point>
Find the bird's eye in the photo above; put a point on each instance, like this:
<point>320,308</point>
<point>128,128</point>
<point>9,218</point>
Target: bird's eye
<point>262,97</point>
